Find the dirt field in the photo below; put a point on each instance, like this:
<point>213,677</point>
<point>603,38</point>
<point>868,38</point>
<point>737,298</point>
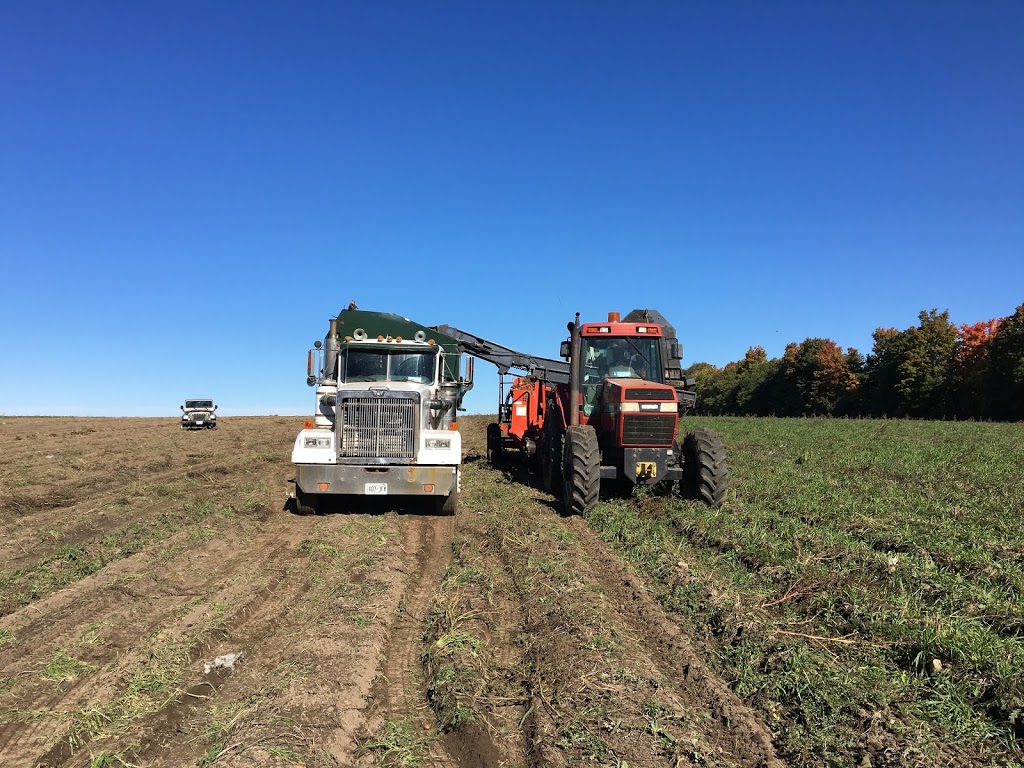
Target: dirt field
<point>161,605</point>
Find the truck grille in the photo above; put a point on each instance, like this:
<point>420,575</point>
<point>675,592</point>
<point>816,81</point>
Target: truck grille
<point>648,430</point>
<point>377,427</point>
<point>196,416</point>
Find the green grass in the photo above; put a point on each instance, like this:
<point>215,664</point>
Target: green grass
<point>62,667</point>
<point>400,744</point>
<point>862,575</point>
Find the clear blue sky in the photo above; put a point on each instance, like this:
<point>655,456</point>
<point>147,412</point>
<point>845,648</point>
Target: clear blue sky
<point>188,191</point>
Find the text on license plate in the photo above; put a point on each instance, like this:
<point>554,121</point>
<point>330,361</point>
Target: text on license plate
<point>376,489</point>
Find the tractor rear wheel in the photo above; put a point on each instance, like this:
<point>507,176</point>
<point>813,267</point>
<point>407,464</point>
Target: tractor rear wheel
<point>551,449</point>
<point>581,470</point>
<point>704,466</point>
<point>494,449</point>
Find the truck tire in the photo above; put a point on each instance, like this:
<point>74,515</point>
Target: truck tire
<point>704,466</point>
<point>551,451</point>
<point>495,453</point>
<point>581,470</point>
<point>306,504</point>
<point>447,505</point>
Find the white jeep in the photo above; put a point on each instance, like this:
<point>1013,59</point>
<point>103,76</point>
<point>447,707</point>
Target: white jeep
<point>198,414</point>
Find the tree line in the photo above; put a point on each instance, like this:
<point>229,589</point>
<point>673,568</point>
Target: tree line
<point>934,370</point>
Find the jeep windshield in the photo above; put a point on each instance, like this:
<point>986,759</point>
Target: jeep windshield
<point>387,365</point>
<point>205,404</point>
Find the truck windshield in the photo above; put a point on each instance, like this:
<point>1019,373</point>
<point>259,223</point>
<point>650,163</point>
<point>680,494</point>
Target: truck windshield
<point>384,365</point>
<point>199,403</point>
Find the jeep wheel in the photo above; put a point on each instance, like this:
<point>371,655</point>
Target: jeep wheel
<point>581,470</point>
<point>704,468</point>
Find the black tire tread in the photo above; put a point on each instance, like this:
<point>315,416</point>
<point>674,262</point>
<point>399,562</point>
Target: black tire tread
<point>552,449</point>
<point>704,466</point>
<point>582,470</point>
<point>305,504</point>
<point>495,453</point>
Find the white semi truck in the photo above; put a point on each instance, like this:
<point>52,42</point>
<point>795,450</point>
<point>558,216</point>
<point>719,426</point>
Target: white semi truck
<point>387,395</point>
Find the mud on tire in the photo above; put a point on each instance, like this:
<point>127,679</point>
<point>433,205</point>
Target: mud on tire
<point>581,470</point>
<point>704,466</point>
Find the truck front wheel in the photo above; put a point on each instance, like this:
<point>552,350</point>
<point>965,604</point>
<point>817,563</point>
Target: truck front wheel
<point>306,504</point>
<point>447,505</point>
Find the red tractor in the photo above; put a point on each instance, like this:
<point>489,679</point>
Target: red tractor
<point>610,413</point>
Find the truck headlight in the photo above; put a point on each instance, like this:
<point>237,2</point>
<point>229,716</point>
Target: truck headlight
<point>439,443</point>
<point>316,442</point>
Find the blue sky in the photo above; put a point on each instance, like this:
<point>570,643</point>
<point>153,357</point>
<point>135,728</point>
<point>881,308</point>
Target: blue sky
<point>188,191</point>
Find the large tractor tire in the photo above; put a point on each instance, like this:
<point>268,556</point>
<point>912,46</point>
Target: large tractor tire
<point>495,453</point>
<point>551,451</point>
<point>306,503</point>
<point>581,470</point>
<point>704,467</point>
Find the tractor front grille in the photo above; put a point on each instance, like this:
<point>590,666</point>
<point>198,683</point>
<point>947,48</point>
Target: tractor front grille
<point>648,393</point>
<point>377,427</point>
<point>644,430</point>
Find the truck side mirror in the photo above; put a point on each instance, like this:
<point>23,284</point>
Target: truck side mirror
<point>215,407</point>
<point>182,407</point>
<point>563,351</point>
<point>675,351</point>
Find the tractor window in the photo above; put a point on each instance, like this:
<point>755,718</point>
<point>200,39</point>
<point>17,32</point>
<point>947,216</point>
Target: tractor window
<point>621,358</point>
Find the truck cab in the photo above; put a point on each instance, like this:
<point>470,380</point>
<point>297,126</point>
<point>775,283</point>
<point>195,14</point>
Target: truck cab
<point>198,413</point>
<point>387,396</point>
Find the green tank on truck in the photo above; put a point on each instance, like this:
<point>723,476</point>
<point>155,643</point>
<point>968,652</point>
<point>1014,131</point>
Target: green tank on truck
<point>388,391</point>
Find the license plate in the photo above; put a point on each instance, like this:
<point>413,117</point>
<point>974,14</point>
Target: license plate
<point>375,489</point>
<point>646,469</point>
<point>200,423</point>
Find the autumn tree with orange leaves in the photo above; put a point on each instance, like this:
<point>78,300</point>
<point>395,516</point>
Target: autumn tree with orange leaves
<point>932,370</point>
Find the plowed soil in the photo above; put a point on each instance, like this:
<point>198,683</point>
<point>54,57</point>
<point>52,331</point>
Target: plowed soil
<point>162,605</point>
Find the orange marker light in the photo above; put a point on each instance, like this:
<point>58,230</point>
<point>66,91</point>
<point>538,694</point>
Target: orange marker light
<point>454,427</point>
<point>428,488</point>
<point>324,486</point>
<point>307,424</point>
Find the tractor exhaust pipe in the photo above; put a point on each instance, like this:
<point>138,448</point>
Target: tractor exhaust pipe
<point>574,372</point>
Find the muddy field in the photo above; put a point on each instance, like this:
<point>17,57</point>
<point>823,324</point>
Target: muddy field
<point>161,605</point>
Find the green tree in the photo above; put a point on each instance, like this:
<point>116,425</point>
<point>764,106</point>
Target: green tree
<point>1006,368</point>
<point>816,378</point>
<point>909,373</point>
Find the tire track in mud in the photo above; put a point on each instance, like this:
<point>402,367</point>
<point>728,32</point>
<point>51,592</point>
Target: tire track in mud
<point>606,675</point>
<point>138,615</point>
<point>399,692</point>
<point>79,510</point>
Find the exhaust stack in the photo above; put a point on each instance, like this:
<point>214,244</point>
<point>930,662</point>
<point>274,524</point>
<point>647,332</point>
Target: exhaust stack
<point>331,354</point>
